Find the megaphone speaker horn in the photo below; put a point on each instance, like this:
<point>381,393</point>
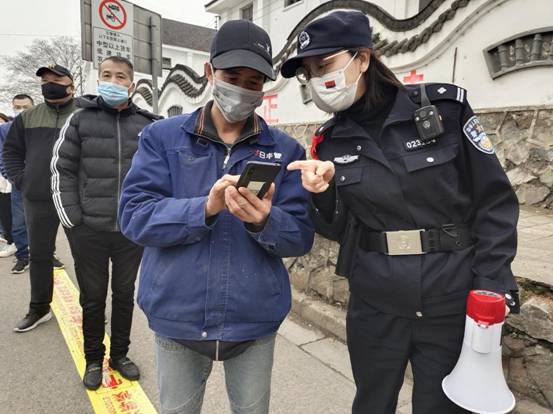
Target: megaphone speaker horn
<point>477,383</point>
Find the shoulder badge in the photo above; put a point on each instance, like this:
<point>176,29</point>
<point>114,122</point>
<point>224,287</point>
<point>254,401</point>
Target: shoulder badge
<point>475,133</point>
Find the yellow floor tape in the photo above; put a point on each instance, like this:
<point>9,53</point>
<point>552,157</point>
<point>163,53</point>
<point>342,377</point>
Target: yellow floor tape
<point>116,395</point>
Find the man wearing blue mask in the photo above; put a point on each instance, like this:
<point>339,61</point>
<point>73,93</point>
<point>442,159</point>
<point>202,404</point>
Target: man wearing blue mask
<point>212,282</point>
<point>90,159</point>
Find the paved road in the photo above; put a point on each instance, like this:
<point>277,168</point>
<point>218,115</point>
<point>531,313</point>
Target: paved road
<point>311,372</point>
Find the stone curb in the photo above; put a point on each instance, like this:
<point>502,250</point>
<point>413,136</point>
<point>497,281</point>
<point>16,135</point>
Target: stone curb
<point>327,318</point>
<point>332,320</point>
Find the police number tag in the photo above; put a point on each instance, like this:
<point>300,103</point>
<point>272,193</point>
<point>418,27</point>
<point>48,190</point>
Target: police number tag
<point>477,136</point>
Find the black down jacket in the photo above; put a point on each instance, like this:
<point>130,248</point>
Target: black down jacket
<point>90,159</point>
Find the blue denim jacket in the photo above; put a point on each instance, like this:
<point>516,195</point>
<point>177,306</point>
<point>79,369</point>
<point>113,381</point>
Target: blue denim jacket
<point>214,281</point>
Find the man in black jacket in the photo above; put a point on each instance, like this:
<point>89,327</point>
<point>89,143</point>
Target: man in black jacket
<point>90,160</point>
<point>27,154</point>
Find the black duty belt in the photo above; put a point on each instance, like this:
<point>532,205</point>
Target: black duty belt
<point>447,238</point>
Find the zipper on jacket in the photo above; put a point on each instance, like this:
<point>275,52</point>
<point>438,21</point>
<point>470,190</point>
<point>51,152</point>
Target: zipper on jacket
<point>217,350</point>
<point>227,157</point>
<point>228,149</point>
<point>118,170</point>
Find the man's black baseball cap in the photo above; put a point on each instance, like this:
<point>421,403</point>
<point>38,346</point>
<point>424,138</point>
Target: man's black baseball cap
<point>240,43</point>
<point>57,69</point>
<point>331,33</point>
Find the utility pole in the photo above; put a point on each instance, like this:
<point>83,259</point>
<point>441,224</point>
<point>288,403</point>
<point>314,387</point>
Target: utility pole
<point>154,44</point>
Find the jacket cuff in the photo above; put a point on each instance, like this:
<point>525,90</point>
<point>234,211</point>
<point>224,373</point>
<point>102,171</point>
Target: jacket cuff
<point>485,283</point>
<point>196,214</point>
<point>512,299</point>
<point>268,236</point>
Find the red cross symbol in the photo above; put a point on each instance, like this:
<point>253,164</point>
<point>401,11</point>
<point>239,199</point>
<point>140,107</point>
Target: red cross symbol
<point>413,77</point>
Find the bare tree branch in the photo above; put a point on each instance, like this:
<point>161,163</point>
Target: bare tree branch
<point>21,68</point>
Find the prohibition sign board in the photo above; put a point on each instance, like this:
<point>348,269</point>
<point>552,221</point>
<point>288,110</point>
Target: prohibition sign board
<point>113,14</point>
<point>112,30</point>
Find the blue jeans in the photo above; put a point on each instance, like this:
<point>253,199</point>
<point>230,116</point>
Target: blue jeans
<point>183,373</point>
<point>19,229</point>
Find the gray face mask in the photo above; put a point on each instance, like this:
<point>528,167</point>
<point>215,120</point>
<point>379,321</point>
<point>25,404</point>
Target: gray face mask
<point>235,103</point>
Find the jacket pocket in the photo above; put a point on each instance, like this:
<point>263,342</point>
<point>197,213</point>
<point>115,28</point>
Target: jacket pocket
<point>257,289</point>
<point>433,174</point>
<point>193,171</point>
<point>429,159</point>
<point>348,176</point>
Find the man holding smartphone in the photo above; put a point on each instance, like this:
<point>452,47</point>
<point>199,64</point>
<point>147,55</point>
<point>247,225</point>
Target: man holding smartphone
<point>212,283</point>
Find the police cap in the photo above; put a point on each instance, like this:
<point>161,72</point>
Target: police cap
<point>331,33</point>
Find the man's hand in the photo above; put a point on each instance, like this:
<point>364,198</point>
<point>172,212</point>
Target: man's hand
<point>246,206</point>
<point>315,174</point>
<point>216,199</point>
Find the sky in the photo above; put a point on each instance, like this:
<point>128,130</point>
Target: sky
<point>25,20</point>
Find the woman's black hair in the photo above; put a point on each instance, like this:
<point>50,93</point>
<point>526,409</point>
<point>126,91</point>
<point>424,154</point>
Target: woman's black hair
<point>379,80</point>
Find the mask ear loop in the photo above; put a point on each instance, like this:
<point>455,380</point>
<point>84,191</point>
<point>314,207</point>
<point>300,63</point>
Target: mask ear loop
<point>337,54</point>
<point>349,63</point>
<point>212,74</point>
<point>351,60</point>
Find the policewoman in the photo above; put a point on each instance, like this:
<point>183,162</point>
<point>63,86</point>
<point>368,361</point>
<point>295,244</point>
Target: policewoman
<point>405,178</point>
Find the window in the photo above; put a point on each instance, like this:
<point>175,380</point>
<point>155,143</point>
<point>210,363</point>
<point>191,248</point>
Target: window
<point>174,110</point>
<point>166,63</point>
<point>246,13</point>
<point>290,2</point>
<point>523,51</point>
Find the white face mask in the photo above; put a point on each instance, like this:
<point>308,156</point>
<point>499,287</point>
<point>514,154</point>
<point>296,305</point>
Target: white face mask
<point>331,93</point>
<point>235,103</point>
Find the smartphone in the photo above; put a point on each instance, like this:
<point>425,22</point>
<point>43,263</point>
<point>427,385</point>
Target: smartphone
<point>258,177</point>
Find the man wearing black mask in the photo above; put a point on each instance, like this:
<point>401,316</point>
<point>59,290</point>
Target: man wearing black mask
<point>27,154</point>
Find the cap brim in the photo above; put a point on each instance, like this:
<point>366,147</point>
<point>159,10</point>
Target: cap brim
<point>243,58</point>
<point>289,68</point>
<point>45,69</point>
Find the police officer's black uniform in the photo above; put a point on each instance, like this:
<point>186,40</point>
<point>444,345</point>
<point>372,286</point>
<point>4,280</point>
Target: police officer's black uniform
<point>420,223</point>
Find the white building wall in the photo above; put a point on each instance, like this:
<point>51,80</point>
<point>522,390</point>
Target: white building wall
<point>194,59</point>
<point>474,28</point>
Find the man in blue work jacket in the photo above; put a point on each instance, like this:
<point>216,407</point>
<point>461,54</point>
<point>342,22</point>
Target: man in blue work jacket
<point>212,283</point>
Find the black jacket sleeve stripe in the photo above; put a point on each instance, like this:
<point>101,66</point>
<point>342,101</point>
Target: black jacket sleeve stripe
<point>56,194</point>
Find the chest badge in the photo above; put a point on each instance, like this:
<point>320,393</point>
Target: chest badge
<point>346,159</point>
<point>418,144</point>
<point>475,133</point>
